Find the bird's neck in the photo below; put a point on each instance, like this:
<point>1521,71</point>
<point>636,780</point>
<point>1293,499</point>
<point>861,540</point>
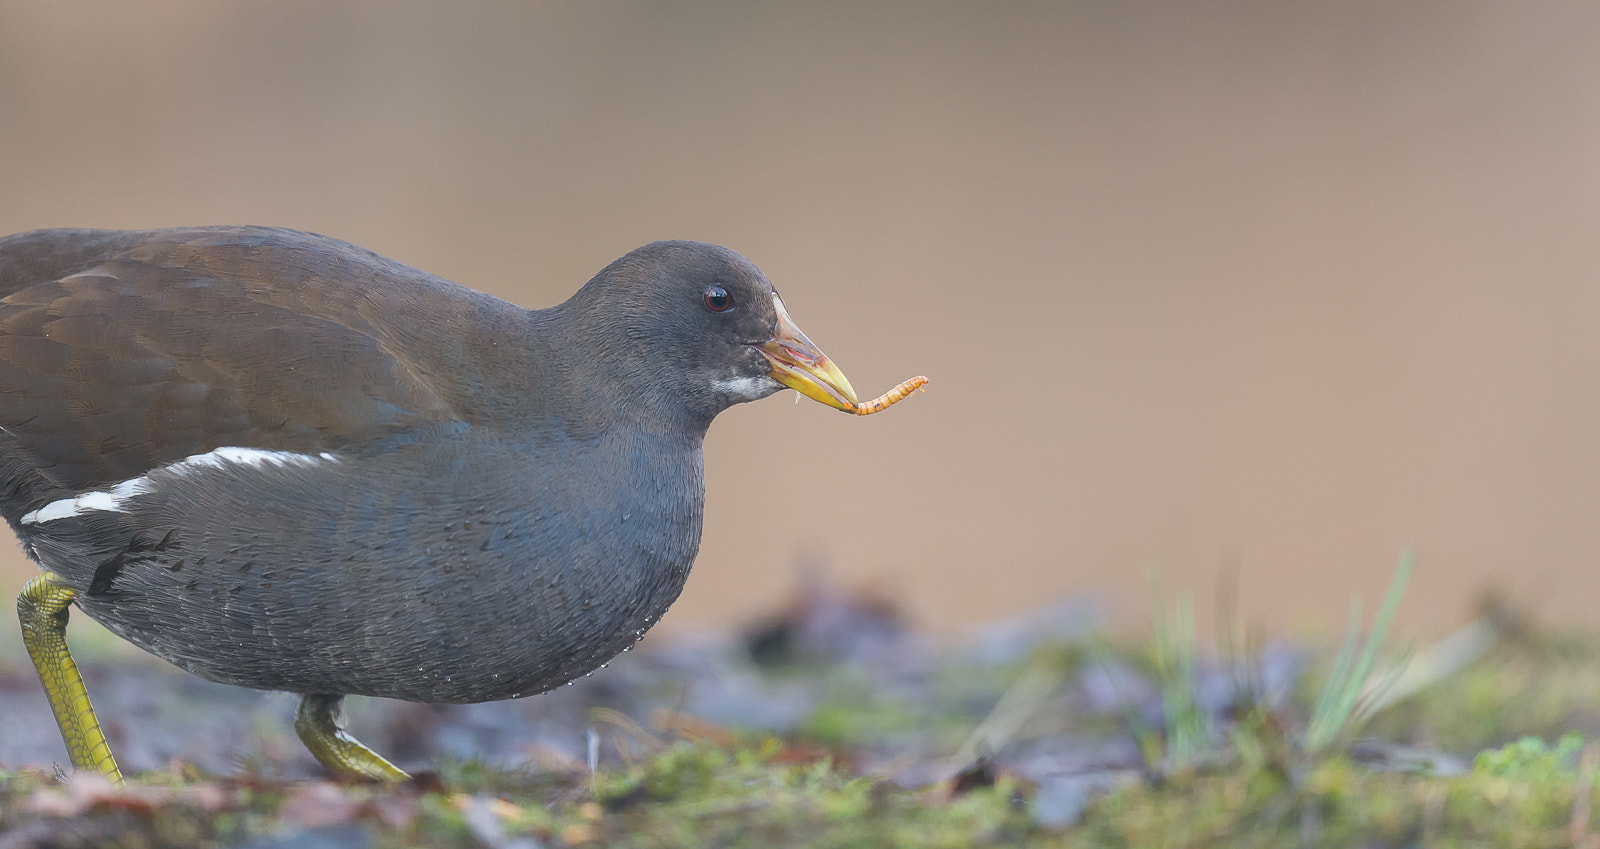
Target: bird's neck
<point>600,385</point>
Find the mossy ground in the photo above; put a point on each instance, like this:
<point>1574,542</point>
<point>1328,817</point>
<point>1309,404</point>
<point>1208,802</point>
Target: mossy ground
<point>1252,784</point>
<point>706,795</point>
<point>838,727</point>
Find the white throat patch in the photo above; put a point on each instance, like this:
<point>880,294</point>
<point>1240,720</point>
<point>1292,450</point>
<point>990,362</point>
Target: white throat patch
<point>743,389</point>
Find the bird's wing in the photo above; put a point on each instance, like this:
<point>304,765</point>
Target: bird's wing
<point>122,352</point>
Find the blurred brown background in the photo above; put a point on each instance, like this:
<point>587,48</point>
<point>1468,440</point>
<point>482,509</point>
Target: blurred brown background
<point>1293,287</point>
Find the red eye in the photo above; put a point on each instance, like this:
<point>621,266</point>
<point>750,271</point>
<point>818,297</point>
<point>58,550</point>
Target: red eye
<point>718,299</point>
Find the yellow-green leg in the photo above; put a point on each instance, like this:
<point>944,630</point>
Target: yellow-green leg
<point>317,723</point>
<point>42,608</point>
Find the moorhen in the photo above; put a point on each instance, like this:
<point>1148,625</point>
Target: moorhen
<point>280,461</point>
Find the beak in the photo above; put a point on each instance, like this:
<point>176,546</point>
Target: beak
<point>797,364</point>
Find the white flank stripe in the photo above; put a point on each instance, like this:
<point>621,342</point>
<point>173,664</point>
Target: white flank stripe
<point>69,507</point>
<point>222,457</point>
<point>112,499</point>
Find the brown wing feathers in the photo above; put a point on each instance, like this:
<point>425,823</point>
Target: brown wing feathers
<point>166,347</point>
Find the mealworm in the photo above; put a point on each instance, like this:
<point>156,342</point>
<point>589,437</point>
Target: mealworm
<point>890,398</point>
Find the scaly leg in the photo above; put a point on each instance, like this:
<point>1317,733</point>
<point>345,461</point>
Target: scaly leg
<point>42,608</point>
<point>317,723</point>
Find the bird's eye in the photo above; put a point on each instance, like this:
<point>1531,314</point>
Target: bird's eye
<point>718,299</point>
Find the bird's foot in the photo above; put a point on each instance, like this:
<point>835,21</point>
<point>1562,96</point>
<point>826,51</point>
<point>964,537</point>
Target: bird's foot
<point>42,609</point>
<point>317,723</point>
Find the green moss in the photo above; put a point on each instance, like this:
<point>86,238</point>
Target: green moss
<point>1520,690</point>
<point>695,795</point>
<point>1338,804</point>
<point>1530,759</point>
